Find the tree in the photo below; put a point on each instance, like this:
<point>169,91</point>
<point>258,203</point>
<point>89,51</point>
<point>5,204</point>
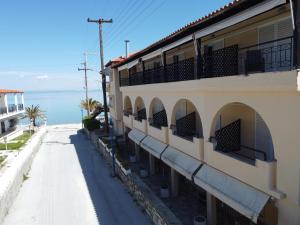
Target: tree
<point>33,113</point>
<point>93,104</point>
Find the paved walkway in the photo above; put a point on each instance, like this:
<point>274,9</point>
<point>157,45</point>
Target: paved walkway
<point>69,184</point>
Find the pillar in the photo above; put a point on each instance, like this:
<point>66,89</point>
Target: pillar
<point>16,102</point>
<point>22,97</point>
<point>174,182</point>
<point>211,208</point>
<point>5,102</point>
<point>151,164</point>
<point>137,152</point>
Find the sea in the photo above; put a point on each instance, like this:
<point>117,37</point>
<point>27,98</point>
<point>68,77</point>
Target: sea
<point>60,107</point>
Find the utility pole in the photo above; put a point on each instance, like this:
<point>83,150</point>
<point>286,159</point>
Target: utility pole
<point>126,48</point>
<point>100,22</point>
<point>85,82</point>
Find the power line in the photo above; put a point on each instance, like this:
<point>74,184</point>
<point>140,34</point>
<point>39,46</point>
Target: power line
<point>127,27</point>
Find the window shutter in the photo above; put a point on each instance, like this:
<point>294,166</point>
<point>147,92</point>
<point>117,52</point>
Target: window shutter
<point>284,28</point>
<point>267,33</point>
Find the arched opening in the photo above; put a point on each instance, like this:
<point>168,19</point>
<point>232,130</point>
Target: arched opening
<point>139,109</point>
<point>186,122</point>
<point>238,130</point>
<point>157,114</point>
<point>127,106</point>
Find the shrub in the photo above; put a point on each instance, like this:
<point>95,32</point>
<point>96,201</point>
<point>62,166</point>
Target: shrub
<point>91,123</point>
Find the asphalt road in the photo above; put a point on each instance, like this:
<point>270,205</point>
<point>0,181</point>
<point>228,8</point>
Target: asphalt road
<point>69,184</point>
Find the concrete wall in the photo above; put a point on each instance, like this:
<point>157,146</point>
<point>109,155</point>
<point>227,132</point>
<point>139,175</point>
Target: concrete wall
<point>12,178</point>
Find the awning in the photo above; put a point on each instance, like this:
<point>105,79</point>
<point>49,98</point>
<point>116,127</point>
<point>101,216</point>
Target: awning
<point>136,136</point>
<point>241,197</point>
<point>182,163</point>
<point>153,146</point>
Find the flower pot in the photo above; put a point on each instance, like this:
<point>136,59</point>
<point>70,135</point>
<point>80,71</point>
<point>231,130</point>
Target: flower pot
<point>143,172</point>
<point>164,192</point>
<point>132,158</point>
<point>199,220</point>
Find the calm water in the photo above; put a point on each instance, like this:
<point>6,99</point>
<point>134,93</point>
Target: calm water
<point>61,106</point>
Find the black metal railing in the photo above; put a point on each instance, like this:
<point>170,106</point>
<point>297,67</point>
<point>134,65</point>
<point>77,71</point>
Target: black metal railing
<point>124,81</point>
<point>276,55</point>
<point>140,115</point>
<point>180,71</point>
<point>136,78</point>
<point>12,108</point>
<point>159,119</point>
<point>153,76</point>
<point>20,107</point>
<point>228,140</point>
<point>185,127</point>
<point>127,112</point>
<point>3,110</point>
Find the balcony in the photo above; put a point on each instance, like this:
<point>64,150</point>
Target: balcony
<point>269,56</point>
<point>20,107</point>
<point>193,147</point>
<point>128,120</point>
<point>261,175</point>
<point>12,108</point>
<point>3,110</point>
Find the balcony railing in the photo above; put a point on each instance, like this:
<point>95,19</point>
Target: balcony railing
<point>185,127</point>
<point>127,112</point>
<point>228,140</point>
<point>3,110</point>
<point>20,107</point>
<point>140,115</point>
<point>269,56</point>
<point>159,119</point>
<point>12,108</point>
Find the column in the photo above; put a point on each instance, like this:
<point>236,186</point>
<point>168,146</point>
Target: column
<point>16,102</point>
<point>211,207</point>
<point>151,164</point>
<point>5,102</point>
<point>174,182</point>
<point>22,98</point>
<point>137,152</point>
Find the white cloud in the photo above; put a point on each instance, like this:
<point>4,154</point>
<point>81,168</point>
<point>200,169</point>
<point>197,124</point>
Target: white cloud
<point>42,77</point>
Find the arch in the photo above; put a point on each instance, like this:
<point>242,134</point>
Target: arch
<point>140,109</point>
<point>157,113</point>
<point>185,120</point>
<point>239,130</point>
<point>127,106</point>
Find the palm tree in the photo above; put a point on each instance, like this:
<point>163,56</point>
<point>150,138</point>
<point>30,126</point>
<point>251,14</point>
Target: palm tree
<point>33,113</point>
<point>92,104</point>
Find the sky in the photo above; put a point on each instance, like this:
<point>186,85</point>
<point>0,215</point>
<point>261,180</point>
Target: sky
<point>42,41</point>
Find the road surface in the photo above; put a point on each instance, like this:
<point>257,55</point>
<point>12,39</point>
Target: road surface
<point>69,184</point>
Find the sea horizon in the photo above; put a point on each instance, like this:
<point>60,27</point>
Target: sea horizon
<point>60,106</point>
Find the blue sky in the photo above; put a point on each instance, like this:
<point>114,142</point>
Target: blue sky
<point>42,41</point>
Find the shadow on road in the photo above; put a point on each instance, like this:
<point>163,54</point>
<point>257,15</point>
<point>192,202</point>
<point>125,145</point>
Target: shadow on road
<point>112,203</point>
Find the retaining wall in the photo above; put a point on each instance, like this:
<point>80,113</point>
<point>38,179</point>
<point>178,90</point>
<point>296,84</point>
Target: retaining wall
<point>12,177</point>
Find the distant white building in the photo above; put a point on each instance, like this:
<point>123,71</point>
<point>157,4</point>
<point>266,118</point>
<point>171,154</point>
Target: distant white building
<point>11,109</point>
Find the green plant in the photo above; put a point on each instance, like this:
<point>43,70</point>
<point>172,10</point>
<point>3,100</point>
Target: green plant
<point>33,113</point>
<point>91,123</point>
<point>17,143</point>
<point>91,103</point>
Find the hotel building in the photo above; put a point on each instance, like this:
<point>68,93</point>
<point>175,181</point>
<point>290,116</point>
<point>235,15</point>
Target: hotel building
<point>218,102</point>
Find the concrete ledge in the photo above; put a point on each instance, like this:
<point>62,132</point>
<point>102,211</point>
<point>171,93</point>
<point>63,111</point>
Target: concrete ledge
<point>11,175</point>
